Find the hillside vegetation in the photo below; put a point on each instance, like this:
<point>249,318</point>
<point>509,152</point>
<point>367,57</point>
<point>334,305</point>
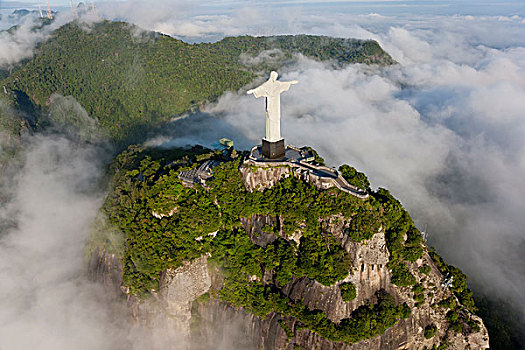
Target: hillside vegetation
<point>164,223</point>
<point>131,80</point>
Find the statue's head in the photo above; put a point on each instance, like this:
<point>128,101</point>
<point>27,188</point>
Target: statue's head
<point>273,76</point>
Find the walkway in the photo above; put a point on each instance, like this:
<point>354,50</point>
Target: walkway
<point>295,157</point>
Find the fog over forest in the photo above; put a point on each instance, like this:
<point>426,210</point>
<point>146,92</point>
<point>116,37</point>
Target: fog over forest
<point>443,130</point>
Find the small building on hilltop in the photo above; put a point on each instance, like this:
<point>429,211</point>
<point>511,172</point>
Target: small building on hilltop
<point>199,175</point>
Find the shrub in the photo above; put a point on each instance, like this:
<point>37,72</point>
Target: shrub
<point>430,331</point>
<point>449,303</point>
<point>354,177</point>
<point>364,224</point>
<point>459,286</point>
<point>348,291</point>
<point>401,276</point>
<point>425,269</point>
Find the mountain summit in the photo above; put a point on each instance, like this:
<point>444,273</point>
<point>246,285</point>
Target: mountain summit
<point>295,263</point>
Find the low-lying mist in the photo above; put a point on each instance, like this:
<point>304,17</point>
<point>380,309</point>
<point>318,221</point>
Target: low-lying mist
<point>47,300</point>
<point>21,35</point>
<point>45,303</point>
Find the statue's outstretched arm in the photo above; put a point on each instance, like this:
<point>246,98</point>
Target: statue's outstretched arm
<point>257,92</point>
<point>285,85</point>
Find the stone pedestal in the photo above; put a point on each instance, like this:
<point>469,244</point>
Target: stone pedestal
<point>273,150</point>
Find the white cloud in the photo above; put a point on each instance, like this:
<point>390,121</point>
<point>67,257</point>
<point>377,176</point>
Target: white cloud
<point>46,300</point>
<point>43,302</point>
<point>21,43</point>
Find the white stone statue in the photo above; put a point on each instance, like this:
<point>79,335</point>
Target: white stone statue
<point>272,90</point>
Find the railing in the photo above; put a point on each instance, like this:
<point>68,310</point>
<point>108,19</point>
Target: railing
<point>331,174</point>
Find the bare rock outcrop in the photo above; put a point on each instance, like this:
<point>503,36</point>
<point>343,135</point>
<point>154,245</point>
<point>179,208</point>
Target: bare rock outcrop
<point>260,178</point>
<point>107,269</point>
<point>176,305</point>
<point>180,287</point>
<point>255,228</point>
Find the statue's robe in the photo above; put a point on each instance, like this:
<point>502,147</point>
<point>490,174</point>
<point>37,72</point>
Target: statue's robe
<point>272,90</point>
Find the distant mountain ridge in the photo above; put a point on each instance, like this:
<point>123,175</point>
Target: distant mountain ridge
<point>131,80</point>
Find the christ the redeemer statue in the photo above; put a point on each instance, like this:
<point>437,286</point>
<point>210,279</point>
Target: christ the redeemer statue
<point>273,143</point>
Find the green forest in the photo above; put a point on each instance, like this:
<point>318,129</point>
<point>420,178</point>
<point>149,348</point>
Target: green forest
<point>131,81</point>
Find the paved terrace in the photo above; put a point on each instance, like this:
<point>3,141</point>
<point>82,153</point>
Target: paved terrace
<point>299,158</point>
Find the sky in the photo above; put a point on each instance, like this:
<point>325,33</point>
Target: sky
<point>434,7</point>
<point>443,130</point>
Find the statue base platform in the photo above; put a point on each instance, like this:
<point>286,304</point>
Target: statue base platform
<point>273,150</point>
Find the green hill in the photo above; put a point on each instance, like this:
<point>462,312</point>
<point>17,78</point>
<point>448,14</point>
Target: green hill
<point>151,222</point>
<point>131,80</point>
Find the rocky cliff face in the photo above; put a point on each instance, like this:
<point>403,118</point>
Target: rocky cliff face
<point>259,178</point>
<point>107,269</point>
<point>205,323</point>
<point>187,299</point>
